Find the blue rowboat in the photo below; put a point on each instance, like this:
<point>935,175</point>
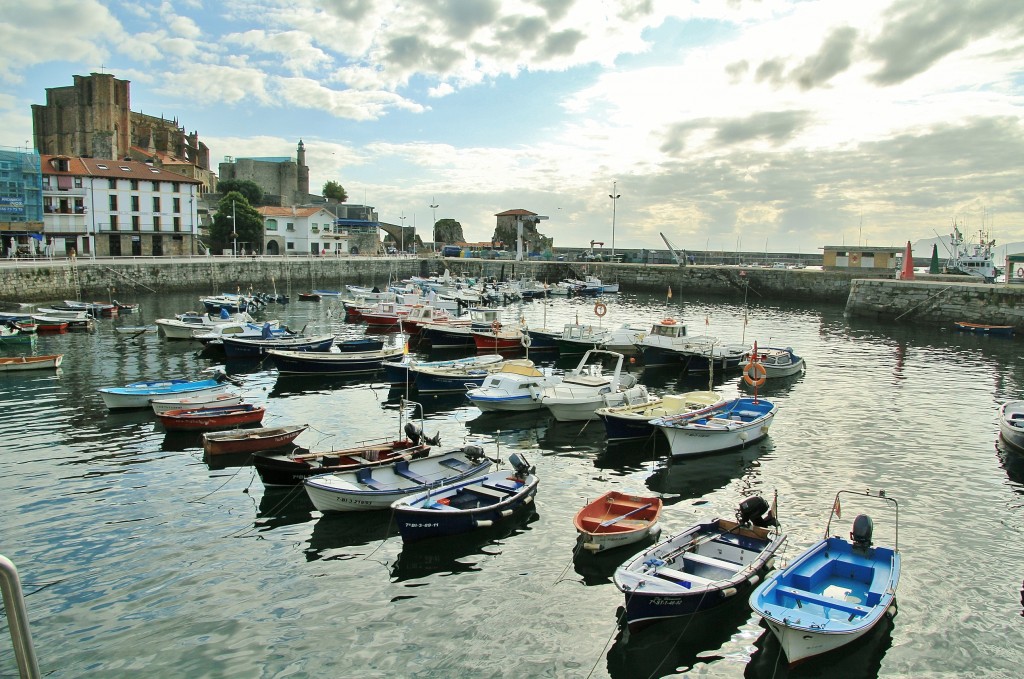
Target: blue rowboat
<point>833,593</point>
<point>466,506</point>
<point>139,394</point>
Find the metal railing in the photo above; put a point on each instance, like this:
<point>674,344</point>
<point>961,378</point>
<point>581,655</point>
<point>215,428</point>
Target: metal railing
<point>17,619</point>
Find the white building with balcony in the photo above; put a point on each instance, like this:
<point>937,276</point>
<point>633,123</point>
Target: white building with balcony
<point>300,231</point>
<point>117,208</point>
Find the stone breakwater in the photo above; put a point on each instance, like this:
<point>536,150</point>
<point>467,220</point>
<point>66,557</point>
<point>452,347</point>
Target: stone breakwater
<point>936,299</point>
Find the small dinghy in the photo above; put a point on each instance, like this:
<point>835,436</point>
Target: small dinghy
<point>700,568</point>
<point>250,440</point>
<point>225,398</point>
<point>211,418</point>
<point>45,362</point>
<point>465,506</point>
<point>835,592</point>
<point>1011,423</point>
<point>616,519</point>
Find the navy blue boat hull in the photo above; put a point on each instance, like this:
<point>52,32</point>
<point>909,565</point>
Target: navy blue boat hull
<point>237,350</point>
<point>622,429</point>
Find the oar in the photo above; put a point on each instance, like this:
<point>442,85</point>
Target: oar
<point>605,524</point>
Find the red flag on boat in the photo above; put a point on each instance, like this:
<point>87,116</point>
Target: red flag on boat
<point>907,271</point>
<point>837,510</point>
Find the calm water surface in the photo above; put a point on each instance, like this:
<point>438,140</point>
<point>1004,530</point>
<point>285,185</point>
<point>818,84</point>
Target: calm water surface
<point>139,559</point>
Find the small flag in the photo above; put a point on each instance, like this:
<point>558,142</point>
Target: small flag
<point>405,348</point>
<point>670,292</point>
<point>837,510</point>
<point>707,321</point>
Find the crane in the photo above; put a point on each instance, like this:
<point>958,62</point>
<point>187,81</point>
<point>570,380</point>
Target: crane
<point>678,255</point>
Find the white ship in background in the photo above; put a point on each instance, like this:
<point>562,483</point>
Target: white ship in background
<point>973,259</point>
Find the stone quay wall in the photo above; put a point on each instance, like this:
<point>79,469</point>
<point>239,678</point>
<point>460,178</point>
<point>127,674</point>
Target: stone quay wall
<point>937,301</point>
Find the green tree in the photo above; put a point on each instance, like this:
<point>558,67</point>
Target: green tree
<point>248,188</point>
<point>234,207</point>
<point>335,191</point>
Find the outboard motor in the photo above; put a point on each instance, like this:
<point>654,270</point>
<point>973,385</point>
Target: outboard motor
<point>863,527</point>
<point>755,510</point>
<point>434,440</point>
<point>474,452</point>
<point>520,465</point>
<point>413,432</point>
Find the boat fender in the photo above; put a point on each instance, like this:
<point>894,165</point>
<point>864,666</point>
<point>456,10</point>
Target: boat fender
<point>728,592</point>
<point>754,374</point>
<point>754,579</point>
<point>484,523</point>
<point>506,512</point>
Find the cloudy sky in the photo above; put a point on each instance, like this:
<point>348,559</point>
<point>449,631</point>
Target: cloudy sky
<point>773,125</point>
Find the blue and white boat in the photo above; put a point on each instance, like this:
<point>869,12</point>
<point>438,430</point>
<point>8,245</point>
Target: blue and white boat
<point>457,378</point>
<point>139,394</point>
<point>701,568</point>
<point>514,388</point>
<point>235,347</point>
<point>627,422</point>
<point>396,373</point>
<point>465,506</point>
<point>732,424</point>
<point>330,362</point>
<point>833,593</point>
<point>367,488</point>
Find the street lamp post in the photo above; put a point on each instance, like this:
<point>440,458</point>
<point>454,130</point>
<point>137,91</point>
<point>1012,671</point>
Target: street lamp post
<point>234,231</point>
<point>615,197</point>
<point>433,212</point>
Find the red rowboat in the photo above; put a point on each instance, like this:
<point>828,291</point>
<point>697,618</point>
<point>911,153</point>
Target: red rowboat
<point>215,417</point>
<point>250,440</point>
<point>489,340</point>
<point>616,519</point>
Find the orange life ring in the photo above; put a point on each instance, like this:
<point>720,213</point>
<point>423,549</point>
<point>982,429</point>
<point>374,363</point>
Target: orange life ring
<point>496,326</point>
<point>754,374</point>
<point>668,321</point>
<point>600,309</point>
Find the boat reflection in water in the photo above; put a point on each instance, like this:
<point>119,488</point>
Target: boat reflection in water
<point>597,568</point>
<point>677,645</point>
<point>279,508</point>
<point>521,430</point>
<point>334,535</point>
<point>698,476</point>
<point>459,553</point>
<point>297,385</point>
<point>859,659</point>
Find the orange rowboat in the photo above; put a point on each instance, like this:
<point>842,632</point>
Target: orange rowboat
<point>616,519</point>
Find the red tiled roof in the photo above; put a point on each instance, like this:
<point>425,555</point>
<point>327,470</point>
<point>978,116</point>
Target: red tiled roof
<point>518,212</point>
<point>99,167</point>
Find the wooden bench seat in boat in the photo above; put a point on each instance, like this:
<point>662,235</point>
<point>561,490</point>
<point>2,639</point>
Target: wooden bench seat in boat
<point>821,600</point>
<point>402,469</point>
<point>679,576</point>
<point>482,491</point>
<point>711,561</point>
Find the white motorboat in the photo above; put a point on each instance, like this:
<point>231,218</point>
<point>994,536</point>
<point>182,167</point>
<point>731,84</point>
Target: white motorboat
<point>777,362</point>
<point>1011,423</point>
<point>515,387</point>
<point>587,388</point>
<point>183,325</point>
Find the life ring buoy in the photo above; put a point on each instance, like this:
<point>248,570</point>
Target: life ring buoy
<point>1020,272</point>
<point>496,326</point>
<point>600,309</point>
<point>668,321</point>
<point>526,340</point>
<point>754,374</point>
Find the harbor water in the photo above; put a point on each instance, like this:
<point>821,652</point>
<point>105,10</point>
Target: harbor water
<point>140,559</point>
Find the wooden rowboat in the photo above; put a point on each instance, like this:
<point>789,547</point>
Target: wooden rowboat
<point>616,519</point>
<point>250,440</point>
<point>984,328</point>
<point>12,363</point>
<point>211,418</point>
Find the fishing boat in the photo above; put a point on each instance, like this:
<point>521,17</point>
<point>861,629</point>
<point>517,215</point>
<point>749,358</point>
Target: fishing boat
<point>971,259</point>
<point>457,378</point>
<point>139,394</point>
<point>700,568</point>
<point>209,418</point>
<point>237,347</point>
<point>215,334</point>
<point>617,519</point>
<point>736,423</point>
<point>587,387</point>
<point>95,309</point>
<point>1011,423</point>
<point>421,314</point>
<point>368,489</point>
<point>309,297</point>
<point>397,373</point>
<point>216,398</point>
<point>330,362</point>
<point>17,363</point>
<point>662,345</point>
<point>777,361</point>
<point>984,328</point>
<point>499,339</point>
<point>250,440</point>
<point>513,388</point>
<point>182,326</point>
<point>50,324</point>
<point>576,338</point>
<point>360,344</point>
<point>833,593</point>
<point>14,335</point>
<point>626,422</point>
<point>467,505</point>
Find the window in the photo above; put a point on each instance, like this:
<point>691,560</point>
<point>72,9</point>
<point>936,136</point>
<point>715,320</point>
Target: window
<point>113,222</point>
<point>133,182</point>
<point>113,203</point>
<point>101,166</point>
<point>156,223</point>
<point>177,205</point>
<point>289,226</point>
<point>271,225</point>
<point>177,223</point>
<point>111,183</point>
<point>156,185</point>
<point>78,182</point>
<point>135,203</point>
<point>136,223</point>
<point>289,246</point>
<point>176,187</point>
<point>156,203</point>
<point>46,182</point>
<point>315,229</point>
